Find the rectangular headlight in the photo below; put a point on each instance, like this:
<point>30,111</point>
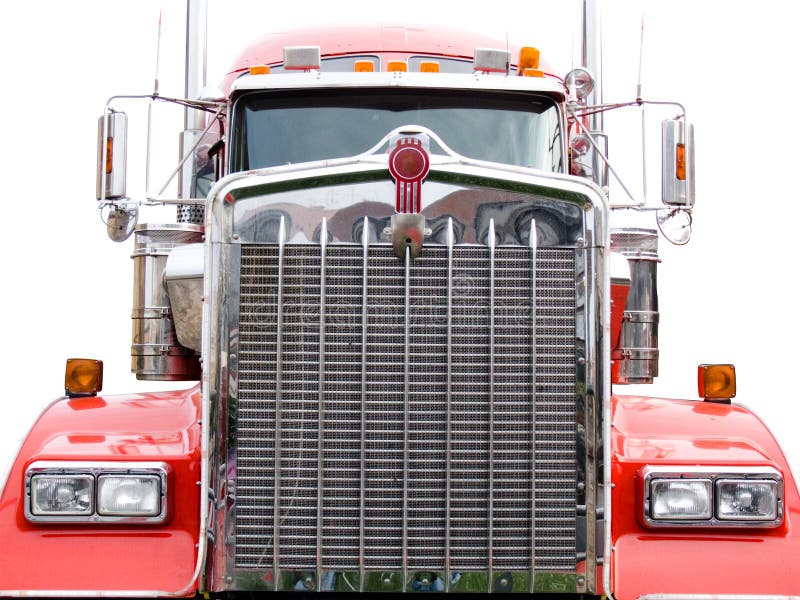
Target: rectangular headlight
<point>709,496</point>
<point>680,499</point>
<point>128,495</point>
<point>62,495</point>
<point>100,492</point>
<point>747,500</point>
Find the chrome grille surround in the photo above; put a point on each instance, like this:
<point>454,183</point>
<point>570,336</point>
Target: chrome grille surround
<point>374,501</point>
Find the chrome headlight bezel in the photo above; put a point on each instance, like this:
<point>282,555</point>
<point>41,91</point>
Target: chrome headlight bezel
<point>716,475</point>
<point>156,472</point>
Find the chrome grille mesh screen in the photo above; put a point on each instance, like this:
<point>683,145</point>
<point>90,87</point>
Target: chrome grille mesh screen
<point>436,357</point>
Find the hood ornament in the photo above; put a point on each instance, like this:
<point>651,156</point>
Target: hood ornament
<point>409,164</point>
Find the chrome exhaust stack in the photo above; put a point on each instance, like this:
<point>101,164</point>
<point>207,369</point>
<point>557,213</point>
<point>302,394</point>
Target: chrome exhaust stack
<point>636,355</point>
<point>156,352</point>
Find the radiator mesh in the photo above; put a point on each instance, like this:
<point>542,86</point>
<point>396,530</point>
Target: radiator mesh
<point>402,420</point>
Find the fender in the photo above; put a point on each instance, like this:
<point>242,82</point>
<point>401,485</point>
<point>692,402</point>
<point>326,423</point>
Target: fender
<point>695,561</point>
<point>48,558</point>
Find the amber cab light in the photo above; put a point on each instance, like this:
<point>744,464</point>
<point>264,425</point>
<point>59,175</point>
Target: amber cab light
<point>429,66</point>
<point>259,70</point>
<point>364,66</point>
<point>83,377</point>
<point>528,59</point>
<point>397,65</point>
<point>716,382</point>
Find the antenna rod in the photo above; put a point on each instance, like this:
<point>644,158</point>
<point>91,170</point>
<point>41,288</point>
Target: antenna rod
<point>644,125</point>
<point>150,109</point>
<point>641,52</point>
<point>158,53</point>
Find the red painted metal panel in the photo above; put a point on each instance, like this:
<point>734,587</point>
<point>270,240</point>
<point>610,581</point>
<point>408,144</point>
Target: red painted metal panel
<point>159,427</point>
<point>650,431</point>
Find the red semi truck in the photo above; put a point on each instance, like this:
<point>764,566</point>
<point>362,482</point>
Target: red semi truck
<point>398,284</point>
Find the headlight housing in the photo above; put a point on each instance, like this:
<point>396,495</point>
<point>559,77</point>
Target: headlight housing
<point>712,497</point>
<point>83,492</point>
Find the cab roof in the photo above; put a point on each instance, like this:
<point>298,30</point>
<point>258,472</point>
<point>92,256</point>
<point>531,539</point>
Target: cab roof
<point>391,41</point>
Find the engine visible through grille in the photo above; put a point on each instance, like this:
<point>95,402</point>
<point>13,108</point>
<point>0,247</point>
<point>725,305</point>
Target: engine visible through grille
<point>387,415</point>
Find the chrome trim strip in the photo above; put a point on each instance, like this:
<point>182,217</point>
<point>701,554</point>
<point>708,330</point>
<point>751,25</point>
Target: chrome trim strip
<point>596,361</point>
<point>223,367</point>
<point>323,242</point>
<point>449,401</point>
<point>215,344</point>
<point>606,424</point>
<point>534,244</point>
<point>490,241</point>
<point>350,80</point>
<point>364,320</point>
<point>276,532</point>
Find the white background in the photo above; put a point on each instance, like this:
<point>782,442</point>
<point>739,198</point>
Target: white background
<point>729,296</point>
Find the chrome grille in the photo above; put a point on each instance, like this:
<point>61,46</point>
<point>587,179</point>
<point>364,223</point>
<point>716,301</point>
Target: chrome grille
<point>343,453</point>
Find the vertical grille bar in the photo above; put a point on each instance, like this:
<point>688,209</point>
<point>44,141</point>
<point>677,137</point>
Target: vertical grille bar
<point>323,240</point>
<point>406,389</point>
<point>278,399</point>
<point>364,317</point>
<point>490,492</point>
<point>533,243</point>
<point>449,398</point>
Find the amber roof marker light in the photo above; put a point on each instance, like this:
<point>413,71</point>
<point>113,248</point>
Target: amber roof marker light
<point>83,377</point>
<point>528,64</point>
<point>716,383</point>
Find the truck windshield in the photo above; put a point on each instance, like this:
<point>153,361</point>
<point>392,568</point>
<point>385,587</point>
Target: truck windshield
<point>286,128</point>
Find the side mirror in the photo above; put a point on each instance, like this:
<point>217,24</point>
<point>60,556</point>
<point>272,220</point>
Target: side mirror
<point>111,155</point>
<point>677,163</point>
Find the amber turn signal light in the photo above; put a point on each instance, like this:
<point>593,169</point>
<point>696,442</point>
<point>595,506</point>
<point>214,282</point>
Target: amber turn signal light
<point>680,162</point>
<point>83,377</point>
<point>716,383</point>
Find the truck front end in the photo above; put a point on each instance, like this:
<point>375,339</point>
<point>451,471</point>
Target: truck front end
<point>406,346</point>
<point>406,306</point>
